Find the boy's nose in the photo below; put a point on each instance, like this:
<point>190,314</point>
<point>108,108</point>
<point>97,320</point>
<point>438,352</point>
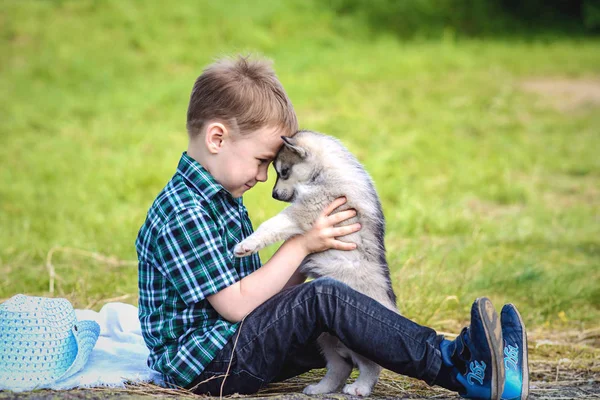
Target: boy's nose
<point>262,175</point>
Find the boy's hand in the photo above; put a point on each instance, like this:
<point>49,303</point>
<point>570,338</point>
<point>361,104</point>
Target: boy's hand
<point>323,234</point>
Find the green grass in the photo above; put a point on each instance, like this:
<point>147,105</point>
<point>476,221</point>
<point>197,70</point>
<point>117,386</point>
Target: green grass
<point>487,189</point>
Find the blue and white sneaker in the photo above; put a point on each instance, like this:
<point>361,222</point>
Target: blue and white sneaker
<point>516,384</point>
<point>476,354</point>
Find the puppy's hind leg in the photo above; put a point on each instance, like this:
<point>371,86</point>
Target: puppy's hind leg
<point>338,368</point>
<point>369,374</point>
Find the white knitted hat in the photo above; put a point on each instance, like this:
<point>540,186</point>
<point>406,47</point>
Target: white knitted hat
<point>41,342</point>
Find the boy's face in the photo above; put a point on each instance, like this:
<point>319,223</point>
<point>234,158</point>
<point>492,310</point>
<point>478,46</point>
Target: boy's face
<point>243,161</point>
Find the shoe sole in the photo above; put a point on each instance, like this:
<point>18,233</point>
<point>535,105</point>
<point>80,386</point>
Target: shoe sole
<point>493,334</point>
<point>525,360</point>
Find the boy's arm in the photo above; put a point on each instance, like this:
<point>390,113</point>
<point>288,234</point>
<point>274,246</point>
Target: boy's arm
<point>237,300</point>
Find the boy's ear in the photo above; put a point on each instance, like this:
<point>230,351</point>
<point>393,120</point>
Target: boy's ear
<point>215,136</point>
<point>292,144</point>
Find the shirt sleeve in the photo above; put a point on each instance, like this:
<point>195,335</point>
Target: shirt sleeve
<point>193,256</point>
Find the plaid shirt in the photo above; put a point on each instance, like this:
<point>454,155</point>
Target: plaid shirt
<point>185,253</point>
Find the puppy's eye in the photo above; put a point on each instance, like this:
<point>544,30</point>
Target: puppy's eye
<point>284,174</point>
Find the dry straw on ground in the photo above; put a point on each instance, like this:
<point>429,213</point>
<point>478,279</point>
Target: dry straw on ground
<point>550,378</point>
<point>110,261</point>
<point>562,365</point>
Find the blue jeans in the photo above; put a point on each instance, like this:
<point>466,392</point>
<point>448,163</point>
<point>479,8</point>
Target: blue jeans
<point>278,339</point>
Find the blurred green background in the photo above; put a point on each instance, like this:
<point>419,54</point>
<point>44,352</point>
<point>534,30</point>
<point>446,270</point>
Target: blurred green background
<point>479,122</point>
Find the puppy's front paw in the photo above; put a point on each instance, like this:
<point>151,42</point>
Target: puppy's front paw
<point>245,248</point>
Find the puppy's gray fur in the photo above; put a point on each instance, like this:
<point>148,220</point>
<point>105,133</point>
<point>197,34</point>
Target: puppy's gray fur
<point>312,170</point>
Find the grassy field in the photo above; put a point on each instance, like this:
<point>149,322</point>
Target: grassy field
<point>488,188</point>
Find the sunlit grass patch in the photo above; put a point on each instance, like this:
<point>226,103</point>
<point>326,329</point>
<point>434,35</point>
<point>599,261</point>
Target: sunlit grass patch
<point>488,188</point>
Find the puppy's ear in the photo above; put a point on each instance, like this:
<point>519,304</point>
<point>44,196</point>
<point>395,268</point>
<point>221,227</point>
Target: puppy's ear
<point>293,145</point>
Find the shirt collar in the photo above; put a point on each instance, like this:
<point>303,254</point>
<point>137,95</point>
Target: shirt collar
<point>195,173</point>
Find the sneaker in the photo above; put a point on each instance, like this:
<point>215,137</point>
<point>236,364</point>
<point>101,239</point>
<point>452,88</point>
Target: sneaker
<point>476,354</point>
<point>516,384</point>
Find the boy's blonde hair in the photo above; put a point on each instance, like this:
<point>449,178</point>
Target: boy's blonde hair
<point>242,93</point>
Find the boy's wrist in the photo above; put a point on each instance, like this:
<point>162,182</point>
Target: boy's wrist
<point>299,242</point>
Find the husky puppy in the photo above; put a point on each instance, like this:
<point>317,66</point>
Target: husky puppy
<point>312,170</point>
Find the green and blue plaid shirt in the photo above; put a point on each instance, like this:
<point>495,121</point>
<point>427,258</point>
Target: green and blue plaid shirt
<point>185,254</point>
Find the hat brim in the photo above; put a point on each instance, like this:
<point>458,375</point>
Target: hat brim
<point>86,335</point>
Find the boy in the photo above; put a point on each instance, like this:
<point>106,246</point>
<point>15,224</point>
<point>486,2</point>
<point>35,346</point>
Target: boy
<point>194,292</point>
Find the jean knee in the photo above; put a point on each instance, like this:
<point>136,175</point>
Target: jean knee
<point>326,285</point>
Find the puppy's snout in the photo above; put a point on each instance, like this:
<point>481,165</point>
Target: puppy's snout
<point>276,195</point>
<point>283,195</point>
